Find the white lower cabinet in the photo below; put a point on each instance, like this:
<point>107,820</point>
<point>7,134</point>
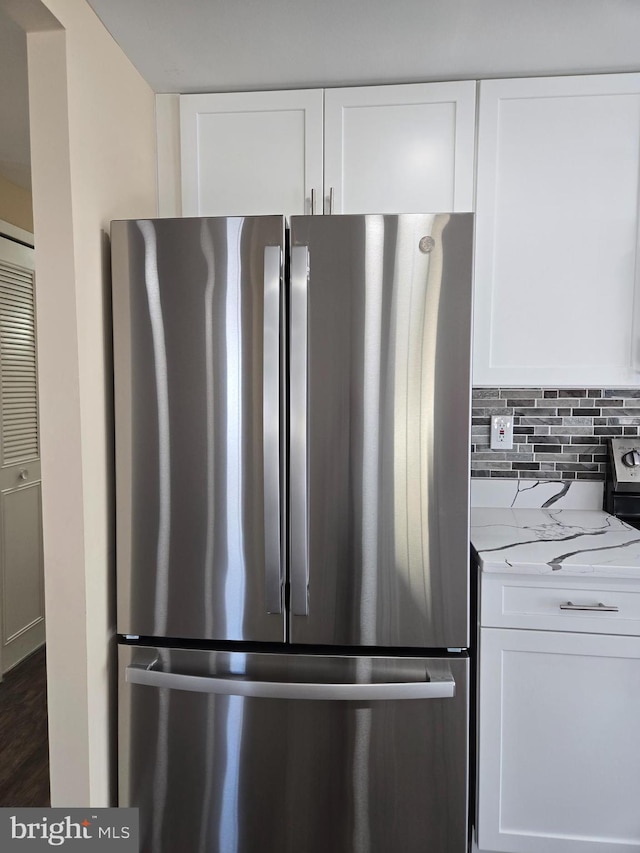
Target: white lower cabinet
<point>559,742</point>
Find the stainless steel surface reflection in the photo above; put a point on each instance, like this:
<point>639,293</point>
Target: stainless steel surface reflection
<point>193,368</point>
<point>380,430</point>
<point>292,775</point>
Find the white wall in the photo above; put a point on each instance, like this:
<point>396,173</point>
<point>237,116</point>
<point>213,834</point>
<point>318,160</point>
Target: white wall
<point>15,204</point>
<point>93,160</point>
<point>168,145</point>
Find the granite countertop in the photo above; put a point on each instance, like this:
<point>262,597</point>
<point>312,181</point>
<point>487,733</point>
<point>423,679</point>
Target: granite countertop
<point>570,542</point>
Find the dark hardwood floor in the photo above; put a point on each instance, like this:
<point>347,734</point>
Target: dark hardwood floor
<point>24,746</point>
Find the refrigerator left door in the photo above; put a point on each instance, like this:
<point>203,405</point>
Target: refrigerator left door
<point>198,360</point>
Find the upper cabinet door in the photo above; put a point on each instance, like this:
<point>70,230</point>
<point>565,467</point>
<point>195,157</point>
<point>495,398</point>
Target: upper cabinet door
<point>557,232</point>
<point>400,149</point>
<point>251,153</point>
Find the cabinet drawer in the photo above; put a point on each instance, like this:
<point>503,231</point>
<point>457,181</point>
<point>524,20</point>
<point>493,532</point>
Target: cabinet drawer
<point>586,605</point>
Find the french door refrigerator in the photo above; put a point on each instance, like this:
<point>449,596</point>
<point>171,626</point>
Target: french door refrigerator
<point>292,439</point>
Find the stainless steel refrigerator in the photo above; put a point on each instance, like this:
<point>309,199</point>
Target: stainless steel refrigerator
<point>292,440</point>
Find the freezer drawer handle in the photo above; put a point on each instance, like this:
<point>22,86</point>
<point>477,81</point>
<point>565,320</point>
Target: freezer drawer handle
<point>441,688</point>
<point>298,432</point>
<point>271,428</point>
<point>593,608</point>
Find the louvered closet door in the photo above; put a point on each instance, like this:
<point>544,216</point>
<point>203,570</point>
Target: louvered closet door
<point>21,564</point>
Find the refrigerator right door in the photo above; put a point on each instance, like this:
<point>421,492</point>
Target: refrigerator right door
<point>380,312</point>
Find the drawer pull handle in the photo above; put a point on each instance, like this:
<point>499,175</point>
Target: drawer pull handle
<point>593,608</point>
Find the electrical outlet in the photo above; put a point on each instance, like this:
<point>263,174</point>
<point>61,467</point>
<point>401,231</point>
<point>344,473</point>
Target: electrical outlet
<point>501,432</point>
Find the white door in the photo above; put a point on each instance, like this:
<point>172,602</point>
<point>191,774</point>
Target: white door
<point>251,153</point>
<point>400,149</point>
<point>559,742</point>
<point>21,560</point>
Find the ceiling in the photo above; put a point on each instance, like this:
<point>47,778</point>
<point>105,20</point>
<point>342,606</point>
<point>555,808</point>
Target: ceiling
<point>231,45</point>
<point>227,45</point>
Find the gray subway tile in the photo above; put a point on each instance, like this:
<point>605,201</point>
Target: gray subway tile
<point>576,466</point>
<point>490,466</point>
<point>548,457</point>
<point>489,412</point>
<point>551,403</point>
<point>577,421</point>
<point>543,419</point>
<point>621,392</point>
<point>480,393</point>
<point>519,393</point>
<point>623,412</point>
<point>563,430</point>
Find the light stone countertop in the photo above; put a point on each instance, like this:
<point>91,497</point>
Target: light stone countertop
<point>566,541</point>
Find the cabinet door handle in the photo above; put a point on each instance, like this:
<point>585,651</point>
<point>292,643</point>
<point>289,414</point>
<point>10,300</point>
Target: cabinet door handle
<point>330,200</point>
<point>313,201</point>
<point>592,608</point>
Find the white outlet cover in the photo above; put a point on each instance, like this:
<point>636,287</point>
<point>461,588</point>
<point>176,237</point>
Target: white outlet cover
<point>502,432</point>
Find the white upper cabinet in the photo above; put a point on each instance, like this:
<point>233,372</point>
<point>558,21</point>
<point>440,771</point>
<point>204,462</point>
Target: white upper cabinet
<point>557,232</point>
<point>375,149</point>
<point>400,149</point>
<point>251,152</point>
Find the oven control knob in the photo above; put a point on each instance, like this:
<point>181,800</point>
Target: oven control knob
<point>632,458</point>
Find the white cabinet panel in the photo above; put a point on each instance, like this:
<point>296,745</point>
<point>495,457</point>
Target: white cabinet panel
<point>400,149</point>
<point>251,153</point>
<point>559,743</point>
<point>556,232</point>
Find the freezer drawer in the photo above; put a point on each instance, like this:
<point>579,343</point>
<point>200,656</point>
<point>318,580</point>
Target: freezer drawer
<point>238,753</point>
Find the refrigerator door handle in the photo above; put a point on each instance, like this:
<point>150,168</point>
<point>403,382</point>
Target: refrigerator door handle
<point>298,432</point>
<point>441,688</point>
<point>271,427</point>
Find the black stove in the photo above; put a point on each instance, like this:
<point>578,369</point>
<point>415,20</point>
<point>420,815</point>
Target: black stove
<point>622,487</point>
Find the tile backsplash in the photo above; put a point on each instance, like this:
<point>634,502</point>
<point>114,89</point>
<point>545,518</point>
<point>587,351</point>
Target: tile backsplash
<point>558,434</point>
